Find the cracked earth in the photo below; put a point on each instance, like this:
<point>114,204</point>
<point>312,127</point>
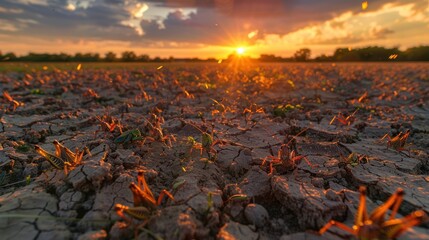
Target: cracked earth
<point>233,192</point>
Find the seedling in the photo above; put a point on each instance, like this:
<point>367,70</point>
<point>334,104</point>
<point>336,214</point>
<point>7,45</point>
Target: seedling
<point>144,94</point>
<point>354,159</point>
<point>220,108</point>
<point>282,110</point>
<point>23,148</point>
<point>375,226</point>
<point>253,108</point>
<point>6,170</point>
<point>398,142</point>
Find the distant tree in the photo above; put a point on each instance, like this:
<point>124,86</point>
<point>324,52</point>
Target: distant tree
<point>420,53</point>
<point>270,58</point>
<point>110,57</point>
<point>64,57</point>
<point>365,54</point>
<point>323,58</point>
<point>346,54</point>
<point>86,57</point>
<point>129,56</point>
<point>143,58</point>
<point>302,55</point>
<point>10,56</point>
<point>157,59</point>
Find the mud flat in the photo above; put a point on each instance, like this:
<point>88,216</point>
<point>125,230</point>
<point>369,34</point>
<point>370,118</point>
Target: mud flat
<point>231,187</point>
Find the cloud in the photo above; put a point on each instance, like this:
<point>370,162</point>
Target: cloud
<point>227,21</point>
<point>10,10</point>
<point>7,26</point>
<point>221,23</point>
<point>213,21</point>
<point>378,32</point>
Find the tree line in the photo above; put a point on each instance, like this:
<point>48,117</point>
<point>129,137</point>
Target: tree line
<point>365,54</point>
<point>372,53</point>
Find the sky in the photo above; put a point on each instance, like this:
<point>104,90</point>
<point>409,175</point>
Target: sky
<point>209,28</point>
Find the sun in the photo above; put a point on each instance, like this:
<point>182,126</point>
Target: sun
<point>240,50</point>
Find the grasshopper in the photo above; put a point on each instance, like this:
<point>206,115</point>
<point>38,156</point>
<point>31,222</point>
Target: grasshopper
<point>129,136</point>
<point>375,226</point>
<point>398,142</point>
<point>64,158</point>
<point>13,103</point>
<point>144,201</point>
<point>207,142</point>
<point>346,121</point>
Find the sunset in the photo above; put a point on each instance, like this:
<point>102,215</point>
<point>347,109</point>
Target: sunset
<point>206,29</point>
<point>214,119</point>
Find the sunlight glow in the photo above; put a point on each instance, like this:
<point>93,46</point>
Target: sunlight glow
<point>71,7</point>
<point>364,5</point>
<point>252,34</point>
<point>240,50</point>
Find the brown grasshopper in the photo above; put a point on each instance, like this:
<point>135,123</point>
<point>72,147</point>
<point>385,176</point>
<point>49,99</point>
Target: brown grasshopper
<point>144,202</point>
<point>64,158</point>
<point>398,142</point>
<point>341,118</point>
<point>108,127</point>
<point>375,226</point>
<point>287,157</point>
<point>13,103</point>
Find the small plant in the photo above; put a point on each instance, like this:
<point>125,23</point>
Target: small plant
<point>375,226</point>
<point>23,148</point>
<point>36,91</point>
<point>282,110</point>
<point>253,108</point>
<point>354,159</point>
<point>6,170</point>
<point>220,108</point>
